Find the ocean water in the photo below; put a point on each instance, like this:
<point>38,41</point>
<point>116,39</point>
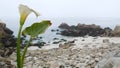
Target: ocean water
<point>48,36</point>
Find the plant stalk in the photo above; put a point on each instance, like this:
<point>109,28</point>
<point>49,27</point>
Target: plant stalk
<point>18,48</point>
<point>25,50</point>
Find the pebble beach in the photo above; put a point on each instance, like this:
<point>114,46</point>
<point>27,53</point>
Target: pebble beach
<point>85,52</point>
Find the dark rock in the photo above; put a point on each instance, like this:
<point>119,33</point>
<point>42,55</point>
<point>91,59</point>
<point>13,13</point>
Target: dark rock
<point>61,66</point>
<point>8,31</point>
<point>56,42</point>
<point>39,44</point>
<point>72,41</point>
<point>64,26</point>
<point>9,41</point>
<point>40,37</point>
<point>83,39</point>
<point>55,38</point>
<point>58,33</point>
<point>63,40</point>
<point>53,30</point>
<point>60,41</point>
<point>57,30</point>
<point>107,31</point>
<point>6,52</point>
<point>83,30</point>
<point>4,31</point>
<point>6,37</point>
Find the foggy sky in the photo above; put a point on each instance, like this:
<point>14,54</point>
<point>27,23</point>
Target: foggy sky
<point>63,8</point>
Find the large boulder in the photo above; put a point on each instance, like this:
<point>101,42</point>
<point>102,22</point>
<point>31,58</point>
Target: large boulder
<point>107,32</point>
<point>110,62</point>
<point>116,31</point>
<point>7,41</point>
<point>64,26</point>
<point>4,31</point>
<point>6,36</point>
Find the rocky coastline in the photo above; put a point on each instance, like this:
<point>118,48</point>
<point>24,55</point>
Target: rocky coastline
<point>90,30</point>
<point>102,53</point>
<point>88,46</point>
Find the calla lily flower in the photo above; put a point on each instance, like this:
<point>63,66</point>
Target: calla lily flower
<point>24,12</point>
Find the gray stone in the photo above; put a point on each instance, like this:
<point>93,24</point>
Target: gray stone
<point>66,45</point>
<point>5,63</point>
<point>105,40</point>
<point>116,31</point>
<point>112,62</point>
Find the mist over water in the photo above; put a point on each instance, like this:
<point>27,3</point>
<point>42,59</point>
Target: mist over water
<point>103,22</point>
<point>48,36</point>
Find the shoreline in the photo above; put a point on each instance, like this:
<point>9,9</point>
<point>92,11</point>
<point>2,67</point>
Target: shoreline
<point>83,54</point>
<point>81,40</point>
<point>66,51</point>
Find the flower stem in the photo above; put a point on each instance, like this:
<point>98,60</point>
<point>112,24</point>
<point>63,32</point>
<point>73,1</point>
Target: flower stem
<point>25,50</point>
<point>18,48</point>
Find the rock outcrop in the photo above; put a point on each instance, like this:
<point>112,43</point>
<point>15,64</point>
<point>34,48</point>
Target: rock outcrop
<point>64,26</point>
<point>83,30</point>
<point>116,31</point>
<point>7,40</point>
<point>6,37</point>
<point>4,31</point>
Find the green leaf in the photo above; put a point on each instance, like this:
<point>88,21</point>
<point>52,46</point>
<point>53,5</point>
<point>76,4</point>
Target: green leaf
<point>37,28</point>
<point>24,12</point>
